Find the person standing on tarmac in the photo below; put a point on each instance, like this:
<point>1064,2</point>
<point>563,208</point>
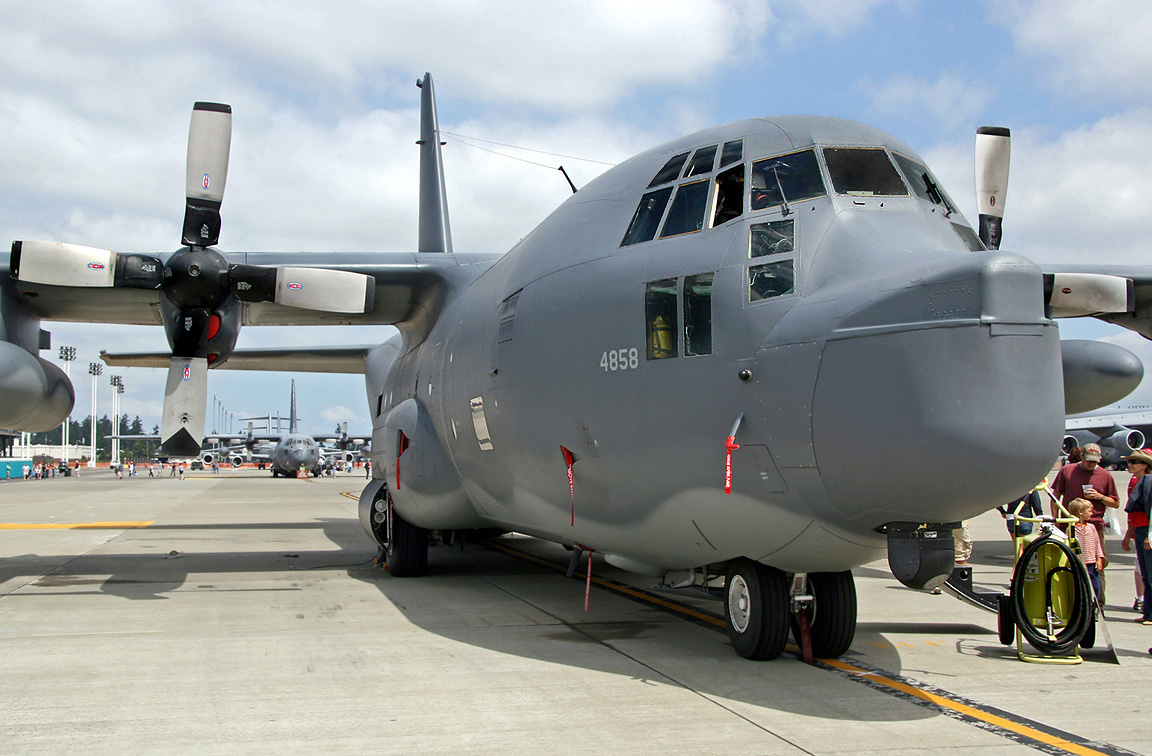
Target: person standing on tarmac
<point>1087,480</point>
<point>1139,508</point>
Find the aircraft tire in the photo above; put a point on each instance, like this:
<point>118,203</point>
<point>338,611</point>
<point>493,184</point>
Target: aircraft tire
<point>1005,622</point>
<point>407,547</point>
<point>756,609</point>
<point>833,613</point>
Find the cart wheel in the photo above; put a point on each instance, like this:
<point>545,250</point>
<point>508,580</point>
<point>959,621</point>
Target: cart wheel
<point>1005,621</point>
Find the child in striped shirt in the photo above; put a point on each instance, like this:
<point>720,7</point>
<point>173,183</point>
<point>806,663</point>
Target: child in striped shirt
<point>1090,549</point>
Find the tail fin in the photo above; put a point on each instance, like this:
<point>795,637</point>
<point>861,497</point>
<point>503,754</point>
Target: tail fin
<point>435,231</point>
<point>292,419</point>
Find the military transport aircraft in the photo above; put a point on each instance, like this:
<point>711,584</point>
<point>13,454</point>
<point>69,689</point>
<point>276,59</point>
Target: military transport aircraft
<point>290,452</point>
<point>713,360</point>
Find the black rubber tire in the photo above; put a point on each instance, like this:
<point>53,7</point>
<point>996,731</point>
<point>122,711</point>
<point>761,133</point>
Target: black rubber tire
<point>833,618</point>
<point>756,609</point>
<point>1089,639</point>
<point>407,554</point>
<point>1005,619</point>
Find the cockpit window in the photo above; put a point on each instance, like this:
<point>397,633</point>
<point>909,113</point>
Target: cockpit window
<point>732,152</point>
<point>728,202</point>
<point>660,319</point>
<point>701,162</point>
<point>969,237</point>
<point>863,172</point>
<point>687,212</point>
<point>786,179</point>
<point>775,238</point>
<point>772,280</point>
<point>670,170</point>
<point>647,217</point>
<point>923,183</point>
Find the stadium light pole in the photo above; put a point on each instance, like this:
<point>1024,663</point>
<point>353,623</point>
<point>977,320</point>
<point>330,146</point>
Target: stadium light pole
<point>94,369</point>
<point>67,356</point>
<point>117,383</point>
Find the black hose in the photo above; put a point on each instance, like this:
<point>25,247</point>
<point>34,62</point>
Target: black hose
<point>1082,608</point>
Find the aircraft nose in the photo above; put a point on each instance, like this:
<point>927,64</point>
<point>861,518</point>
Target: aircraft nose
<point>941,397</point>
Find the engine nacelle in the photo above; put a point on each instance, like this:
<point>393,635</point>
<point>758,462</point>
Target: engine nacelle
<point>208,458</point>
<point>1124,440</point>
<point>35,395</point>
<point>237,461</point>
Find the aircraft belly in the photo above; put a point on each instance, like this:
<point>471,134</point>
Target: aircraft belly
<point>937,424</point>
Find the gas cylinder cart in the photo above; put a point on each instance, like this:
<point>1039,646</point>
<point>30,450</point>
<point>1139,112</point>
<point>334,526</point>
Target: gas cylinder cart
<point>1050,602</point>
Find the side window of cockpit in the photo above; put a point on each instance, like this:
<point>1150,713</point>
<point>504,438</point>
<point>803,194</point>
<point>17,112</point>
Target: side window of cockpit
<point>647,217</point>
<point>863,172</point>
<point>776,238</point>
<point>687,212</point>
<point>729,195</point>
<point>772,280</point>
<point>660,318</point>
<point>698,314</point>
<point>923,183</point>
<point>786,179</point>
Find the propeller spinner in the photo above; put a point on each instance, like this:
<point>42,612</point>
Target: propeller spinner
<point>202,291</point>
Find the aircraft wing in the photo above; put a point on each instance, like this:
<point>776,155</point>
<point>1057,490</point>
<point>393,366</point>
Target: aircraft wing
<point>1137,420</point>
<point>319,359</point>
<point>406,283</point>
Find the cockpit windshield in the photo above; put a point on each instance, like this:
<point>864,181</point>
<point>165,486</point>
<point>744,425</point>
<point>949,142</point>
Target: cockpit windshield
<point>786,179</point>
<point>863,172</point>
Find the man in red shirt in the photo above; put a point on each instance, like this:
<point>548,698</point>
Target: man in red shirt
<point>1087,480</point>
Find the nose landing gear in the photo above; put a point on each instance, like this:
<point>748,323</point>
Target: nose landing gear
<point>760,607</point>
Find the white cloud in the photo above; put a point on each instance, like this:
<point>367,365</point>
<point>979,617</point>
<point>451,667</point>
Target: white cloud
<point>950,99</point>
<point>1095,48</point>
<point>1081,194</point>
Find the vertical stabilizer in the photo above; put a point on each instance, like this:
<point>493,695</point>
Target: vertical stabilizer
<point>292,418</point>
<point>435,232</point>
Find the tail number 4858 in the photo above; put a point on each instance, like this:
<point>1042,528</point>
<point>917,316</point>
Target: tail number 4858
<point>620,359</point>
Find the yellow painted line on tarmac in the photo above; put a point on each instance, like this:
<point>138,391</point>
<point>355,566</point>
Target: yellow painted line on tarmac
<point>74,525</point>
<point>944,702</point>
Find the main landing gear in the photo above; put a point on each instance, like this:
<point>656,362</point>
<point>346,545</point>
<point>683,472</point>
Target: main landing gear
<point>403,546</point>
<point>760,606</point>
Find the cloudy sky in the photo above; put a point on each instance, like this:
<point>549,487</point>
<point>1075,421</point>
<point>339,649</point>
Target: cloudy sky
<point>95,100</point>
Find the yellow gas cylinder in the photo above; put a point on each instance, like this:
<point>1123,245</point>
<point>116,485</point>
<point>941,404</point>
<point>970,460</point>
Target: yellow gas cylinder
<point>1048,565</point>
<point>661,339</point>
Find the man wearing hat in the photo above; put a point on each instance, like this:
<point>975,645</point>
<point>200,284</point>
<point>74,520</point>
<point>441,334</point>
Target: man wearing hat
<point>1087,480</point>
<point>1138,508</point>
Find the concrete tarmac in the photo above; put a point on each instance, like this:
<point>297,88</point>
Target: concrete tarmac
<point>234,613</point>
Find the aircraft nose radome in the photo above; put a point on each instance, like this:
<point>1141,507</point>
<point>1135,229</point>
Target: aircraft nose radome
<point>950,404</point>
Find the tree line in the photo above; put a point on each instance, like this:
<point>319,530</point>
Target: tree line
<point>79,435</point>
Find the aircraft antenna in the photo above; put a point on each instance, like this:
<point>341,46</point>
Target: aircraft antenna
<point>435,231</point>
<point>568,179</point>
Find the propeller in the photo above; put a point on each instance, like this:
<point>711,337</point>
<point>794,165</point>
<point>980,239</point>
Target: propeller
<point>202,291</point>
<point>993,153</point>
<point>1068,295</point>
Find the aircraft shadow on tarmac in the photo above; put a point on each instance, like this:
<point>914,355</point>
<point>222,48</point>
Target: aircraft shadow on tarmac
<point>481,597</point>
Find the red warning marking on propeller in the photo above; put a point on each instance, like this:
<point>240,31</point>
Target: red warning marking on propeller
<point>295,286</point>
<point>992,200</point>
<point>187,372</point>
<point>207,180</point>
<point>96,266</point>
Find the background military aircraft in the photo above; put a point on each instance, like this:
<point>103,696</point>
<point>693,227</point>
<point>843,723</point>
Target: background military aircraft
<point>286,453</point>
<point>699,363</point>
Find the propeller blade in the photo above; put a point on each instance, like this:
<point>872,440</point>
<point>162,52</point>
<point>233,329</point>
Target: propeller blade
<point>185,399</point>
<point>73,265</point>
<point>993,153</point>
<point>209,140</point>
<point>307,288</point>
